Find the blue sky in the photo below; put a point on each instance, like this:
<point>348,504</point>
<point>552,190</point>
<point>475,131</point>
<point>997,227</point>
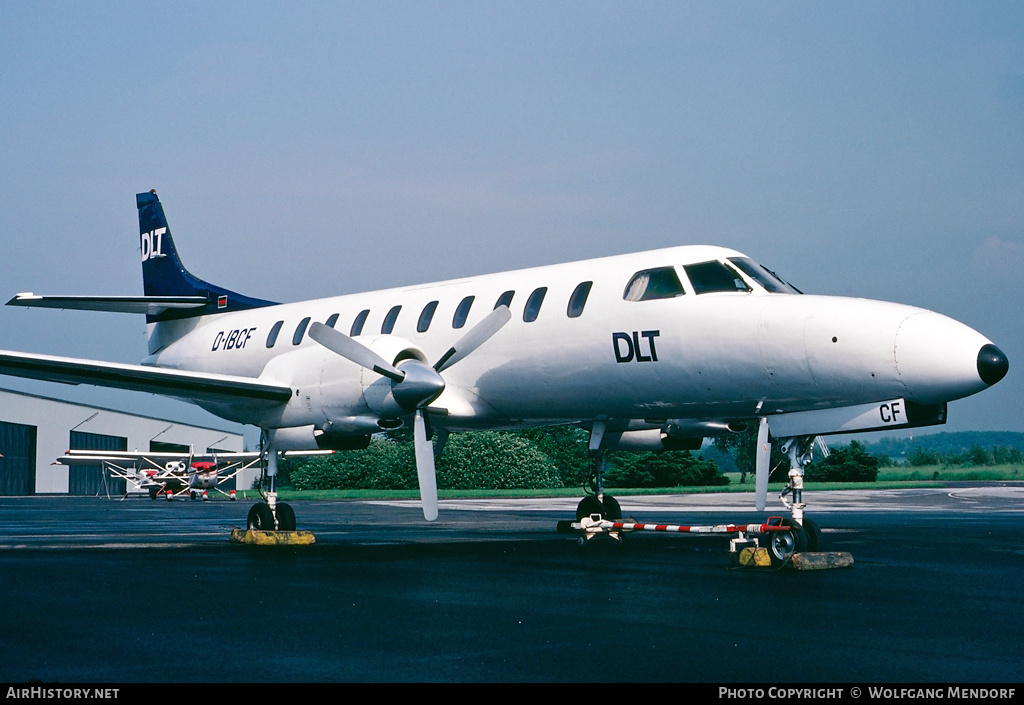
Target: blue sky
<point>870,149</point>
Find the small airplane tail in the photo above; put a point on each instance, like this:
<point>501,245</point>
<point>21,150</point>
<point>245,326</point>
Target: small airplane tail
<point>163,274</point>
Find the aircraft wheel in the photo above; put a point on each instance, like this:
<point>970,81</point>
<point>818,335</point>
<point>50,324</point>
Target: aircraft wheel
<point>260,517</point>
<point>587,506</point>
<point>285,517</point>
<point>153,492</point>
<point>813,531</point>
<point>612,511</point>
<point>782,545</point>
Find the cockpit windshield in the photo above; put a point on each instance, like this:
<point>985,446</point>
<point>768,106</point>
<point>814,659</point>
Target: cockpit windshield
<point>763,276</point>
<point>714,276</point>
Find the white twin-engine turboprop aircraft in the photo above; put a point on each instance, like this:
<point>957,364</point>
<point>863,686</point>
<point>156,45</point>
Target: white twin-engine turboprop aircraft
<point>653,350</point>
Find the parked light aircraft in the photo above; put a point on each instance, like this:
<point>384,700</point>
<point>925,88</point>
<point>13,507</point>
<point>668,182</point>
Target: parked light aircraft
<point>652,350</point>
<point>170,474</point>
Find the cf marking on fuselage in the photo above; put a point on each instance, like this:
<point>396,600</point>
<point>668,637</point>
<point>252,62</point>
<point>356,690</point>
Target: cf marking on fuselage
<point>232,339</point>
<point>893,412</point>
<point>628,346</point>
<point>151,243</point>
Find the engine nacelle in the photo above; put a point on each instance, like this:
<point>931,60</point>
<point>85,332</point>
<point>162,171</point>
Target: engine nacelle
<point>329,388</point>
<point>313,438</point>
<point>653,439</point>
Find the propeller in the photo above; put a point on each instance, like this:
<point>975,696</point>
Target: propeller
<point>414,385</point>
<point>358,353</point>
<point>477,336</point>
<point>425,466</point>
<point>762,465</point>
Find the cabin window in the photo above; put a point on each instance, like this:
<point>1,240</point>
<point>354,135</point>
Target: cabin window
<point>714,276</point>
<point>505,299</point>
<point>650,284</point>
<point>462,312</point>
<point>357,325</point>
<point>300,330</point>
<point>578,299</point>
<point>272,338</point>
<point>426,315</point>
<point>533,303</point>
<point>763,276</point>
<point>331,320</point>
<point>389,320</point>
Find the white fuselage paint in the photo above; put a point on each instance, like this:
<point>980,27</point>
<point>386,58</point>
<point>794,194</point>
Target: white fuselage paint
<point>714,356</point>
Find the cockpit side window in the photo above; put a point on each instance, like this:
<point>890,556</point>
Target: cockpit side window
<point>660,283</point>
<point>714,276</point>
<point>763,276</point>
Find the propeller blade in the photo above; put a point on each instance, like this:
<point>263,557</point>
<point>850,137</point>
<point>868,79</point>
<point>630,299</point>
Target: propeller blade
<point>477,336</point>
<point>358,353</point>
<point>762,466</point>
<point>425,466</point>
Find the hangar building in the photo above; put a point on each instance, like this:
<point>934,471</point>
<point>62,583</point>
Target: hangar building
<point>36,430</point>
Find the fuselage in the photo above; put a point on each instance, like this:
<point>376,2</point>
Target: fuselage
<point>688,333</point>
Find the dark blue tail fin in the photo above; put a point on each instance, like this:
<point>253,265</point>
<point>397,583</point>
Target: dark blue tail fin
<point>164,275</point>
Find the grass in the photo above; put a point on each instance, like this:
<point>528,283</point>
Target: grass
<point>942,473</point>
<point>888,478</point>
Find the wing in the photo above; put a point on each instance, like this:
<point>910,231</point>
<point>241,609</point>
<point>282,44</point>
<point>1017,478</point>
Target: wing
<point>198,386</point>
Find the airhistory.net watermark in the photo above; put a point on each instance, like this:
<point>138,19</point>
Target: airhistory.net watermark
<point>51,693</point>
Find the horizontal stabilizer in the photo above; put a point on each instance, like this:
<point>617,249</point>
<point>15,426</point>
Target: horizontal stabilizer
<point>198,386</point>
<point>149,305</point>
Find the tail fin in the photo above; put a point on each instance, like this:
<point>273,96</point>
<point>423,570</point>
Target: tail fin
<point>163,274</point>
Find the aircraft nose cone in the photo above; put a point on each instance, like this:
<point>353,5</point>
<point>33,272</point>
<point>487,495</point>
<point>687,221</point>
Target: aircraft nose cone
<point>939,359</point>
<point>992,364</point>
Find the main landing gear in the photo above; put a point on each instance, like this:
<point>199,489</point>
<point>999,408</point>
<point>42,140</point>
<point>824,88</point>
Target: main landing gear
<point>271,515</point>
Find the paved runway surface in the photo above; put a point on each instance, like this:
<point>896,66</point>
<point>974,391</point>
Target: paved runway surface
<point>97,591</point>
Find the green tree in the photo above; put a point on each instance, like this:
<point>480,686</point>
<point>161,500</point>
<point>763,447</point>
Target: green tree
<point>567,447</point>
<point>920,456</point>
<point>852,463</point>
<point>662,469</point>
<point>495,460</point>
<point>384,464</point>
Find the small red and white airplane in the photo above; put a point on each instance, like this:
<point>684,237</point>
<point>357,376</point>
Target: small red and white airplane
<point>652,350</point>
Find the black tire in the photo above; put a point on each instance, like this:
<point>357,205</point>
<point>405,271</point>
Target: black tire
<point>261,518</point>
<point>285,517</point>
<point>813,531</point>
<point>153,492</point>
<point>587,506</point>
<point>782,545</point>
<point>612,512</point>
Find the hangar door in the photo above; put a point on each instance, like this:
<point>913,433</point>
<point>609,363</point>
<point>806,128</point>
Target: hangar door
<point>90,481</point>
<point>18,464</point>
